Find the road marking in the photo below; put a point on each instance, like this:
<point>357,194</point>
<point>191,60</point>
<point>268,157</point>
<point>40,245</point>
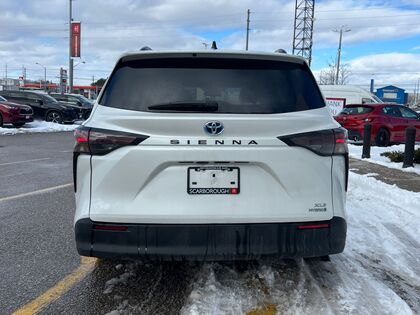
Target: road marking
<point>26,161</point>
<point>52,294</point>
<point>36,192</point>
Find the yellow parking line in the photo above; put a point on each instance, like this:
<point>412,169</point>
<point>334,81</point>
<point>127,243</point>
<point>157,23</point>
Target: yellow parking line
<point>52,294</point>
<point>36,192</point>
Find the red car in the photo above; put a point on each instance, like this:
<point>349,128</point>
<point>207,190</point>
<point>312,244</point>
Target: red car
<point>389,122</point>
<point>15,114</point>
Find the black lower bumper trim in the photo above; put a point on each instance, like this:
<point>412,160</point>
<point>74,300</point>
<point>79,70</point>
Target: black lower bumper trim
<point>210,241</point>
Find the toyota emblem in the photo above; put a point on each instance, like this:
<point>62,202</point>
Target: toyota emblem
<point>214,128</point>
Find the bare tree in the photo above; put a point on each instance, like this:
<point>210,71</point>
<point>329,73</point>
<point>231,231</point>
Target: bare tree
<point>327,76</point>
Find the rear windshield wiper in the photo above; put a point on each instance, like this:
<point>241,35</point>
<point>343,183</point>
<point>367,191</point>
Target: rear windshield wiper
<point>187,106</point>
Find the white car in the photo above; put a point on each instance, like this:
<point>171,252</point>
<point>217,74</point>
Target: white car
<point>210,155</point>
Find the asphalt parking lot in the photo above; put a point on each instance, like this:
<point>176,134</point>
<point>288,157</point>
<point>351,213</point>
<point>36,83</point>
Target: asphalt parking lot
<point>42,272</point>
<point>38,250</point>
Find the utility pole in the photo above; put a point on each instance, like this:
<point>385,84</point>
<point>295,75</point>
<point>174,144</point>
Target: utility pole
<point>247,29</point>
<point>342,29</point>
<point>23,75</point>
<point>70,58</point>
<point>6,76</point>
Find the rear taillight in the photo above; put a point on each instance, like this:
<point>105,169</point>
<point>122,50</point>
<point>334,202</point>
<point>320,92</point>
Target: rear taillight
<point>81,135</point>
<point>340,138</point>
<point>324,142</point>
<point>100,142</point>
<point>94,141</point>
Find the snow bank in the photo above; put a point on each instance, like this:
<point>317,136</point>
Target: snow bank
<point>35,127</point>
<point>355,151</point>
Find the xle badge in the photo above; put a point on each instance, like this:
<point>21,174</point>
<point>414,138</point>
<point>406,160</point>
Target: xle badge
<point>319,207</point>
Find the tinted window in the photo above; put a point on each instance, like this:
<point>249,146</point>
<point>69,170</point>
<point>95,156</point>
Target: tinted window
<point>15,94</point>
<point>359,110</point>
<point>408,113</point>
<point>58,97</point>
<point>2,99</point>
<point>237,86</point>
<point>32,96</point>
<point>47,98</point>
<point>392,111</point>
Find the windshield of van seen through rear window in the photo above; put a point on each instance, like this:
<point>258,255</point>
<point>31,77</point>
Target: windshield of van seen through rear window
<point>216,85</point>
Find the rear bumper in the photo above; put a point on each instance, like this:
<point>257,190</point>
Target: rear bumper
<point>210,241</point>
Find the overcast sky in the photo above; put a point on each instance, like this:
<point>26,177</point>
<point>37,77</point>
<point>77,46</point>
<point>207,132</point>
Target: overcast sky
<point>384,41</point>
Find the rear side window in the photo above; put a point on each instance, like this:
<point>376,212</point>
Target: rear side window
<point>359,110</point>
<point>231,85</point>
<point>392,111</point>
<point>408,113</point>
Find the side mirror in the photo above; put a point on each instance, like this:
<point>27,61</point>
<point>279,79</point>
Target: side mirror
<point>79,104</point>
<point>40,102</point>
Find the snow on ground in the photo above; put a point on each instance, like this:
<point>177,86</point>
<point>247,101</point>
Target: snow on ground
<point>378,272</point>
<point>355,151</point>
<point>36,126</point>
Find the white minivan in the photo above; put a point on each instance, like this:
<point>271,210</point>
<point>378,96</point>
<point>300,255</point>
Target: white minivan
<point>338,96</point>
<point>210,156</point>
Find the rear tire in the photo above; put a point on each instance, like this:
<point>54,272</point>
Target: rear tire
<point>18,125</point>
<point>382,138</point>
<point>55,117</point>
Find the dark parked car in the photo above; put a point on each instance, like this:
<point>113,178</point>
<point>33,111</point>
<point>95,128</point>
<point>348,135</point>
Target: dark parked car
<point>389,122</point>
<point>44,106</point>
<point>82,102</point>
<point>15,114</point>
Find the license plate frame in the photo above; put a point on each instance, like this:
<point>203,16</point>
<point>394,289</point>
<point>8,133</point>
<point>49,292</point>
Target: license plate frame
<point>197,173</point>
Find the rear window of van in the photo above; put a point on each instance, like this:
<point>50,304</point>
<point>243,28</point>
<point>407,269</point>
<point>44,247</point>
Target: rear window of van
<point>239,86</point>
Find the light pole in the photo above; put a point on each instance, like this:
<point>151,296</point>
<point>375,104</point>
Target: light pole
<point>70,58</point>
<point>248,12</point>
<point>74,67</point>
<point>342,29</point>
<point>79,64</point>
<point>45,75</point>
